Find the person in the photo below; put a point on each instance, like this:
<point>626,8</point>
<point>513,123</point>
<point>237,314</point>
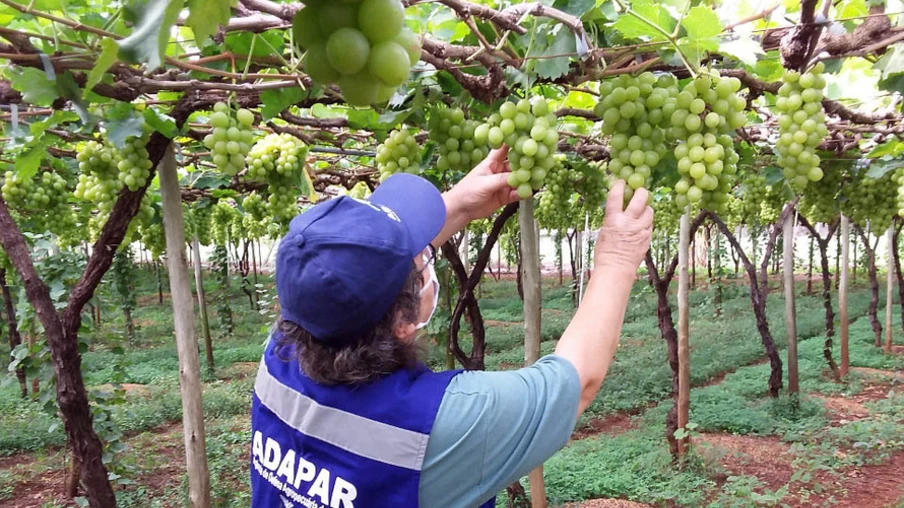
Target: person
<point>344,413</point>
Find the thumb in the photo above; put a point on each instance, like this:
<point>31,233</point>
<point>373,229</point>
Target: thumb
<point>498,155</point>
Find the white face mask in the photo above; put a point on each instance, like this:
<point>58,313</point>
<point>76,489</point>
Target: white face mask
<point>433,280</point>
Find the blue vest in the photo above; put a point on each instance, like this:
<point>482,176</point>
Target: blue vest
<point>361,446</point>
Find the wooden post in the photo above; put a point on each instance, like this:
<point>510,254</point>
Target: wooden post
<point>843,294</point>
<point>579,263</point>
<point>530,266</point>
<point>790,309</point>
<point>202,301</point>
<point>889,292</point>
<point>684,375</point>
<point>463,251</point>
<point>187,346</point>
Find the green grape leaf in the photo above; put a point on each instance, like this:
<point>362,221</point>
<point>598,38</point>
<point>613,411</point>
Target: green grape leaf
<point>152,20</point>
<point>745,50</point>
<point>35,86</point>
<point>160,122</point>
<point>773,175</point>
<point>852,9</point>
<point>702,26</point>
<point>240,43</point>
<point>363,118</point>
<point>276,101</point>
<point>892,66</point>
<point>879,168</point>
<point>551,67</point>
<point>769,69</point>
<point>28,162</point>
<point>120,130</point>
<point>204,16</point>
<point>574,7</point>
<point>631,26</point>
<point>892,147</point>
<point>106,60</point>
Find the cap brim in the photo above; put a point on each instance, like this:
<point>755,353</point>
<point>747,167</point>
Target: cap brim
<point>418,204</point>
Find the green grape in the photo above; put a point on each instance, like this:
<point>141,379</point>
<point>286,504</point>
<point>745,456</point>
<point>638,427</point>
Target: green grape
<point>706,110</point>
<point>279,159</point>
<point>230,138</point>
<point>400,153</point>
<point>819,201</point>
<point>801,126</point>
<point>871,201</point>
<point>458,146</point>
<point>532,140</point>
<point>363,47</point>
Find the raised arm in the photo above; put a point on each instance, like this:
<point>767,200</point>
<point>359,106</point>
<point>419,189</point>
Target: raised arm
<point>483,191</point>
<point>591,339</point>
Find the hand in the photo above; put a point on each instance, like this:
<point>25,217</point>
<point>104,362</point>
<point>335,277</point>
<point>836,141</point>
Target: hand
<point>485,189</point>
<point>625,236</point>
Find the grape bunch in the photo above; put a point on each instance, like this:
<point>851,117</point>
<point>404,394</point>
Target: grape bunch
<point>872,200</point>
<point>361,45</point>
<point>254,221</point>
<point>134,162</point>
<point>898,178</point>
<point>591,182</point>
<point>802,125</point>
<point>819,203</point>
<point>760,203</point>
<point>99,180</point>
<point>399,153</point>
<point>529,130</point>
<point>454,137</point>
<point>24,194</point>
<point>666,214</point>
<point>200,213</point>
<point>230,137</point>
<point>632,112</point>
<point>702,117</point>
<point>279,159</point>
<point>221,217</point>
<point>555,206</point>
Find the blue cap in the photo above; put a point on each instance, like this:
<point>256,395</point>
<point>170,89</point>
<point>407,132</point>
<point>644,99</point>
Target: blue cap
<point>343,262</point>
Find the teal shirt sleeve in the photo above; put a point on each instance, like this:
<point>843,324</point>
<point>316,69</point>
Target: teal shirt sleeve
<point>492,428</point>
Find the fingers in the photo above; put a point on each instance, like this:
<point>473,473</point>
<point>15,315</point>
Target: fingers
<point>616,198</point>
<point>638,203</point>
<point>646,218</point>
<point>497,159</point>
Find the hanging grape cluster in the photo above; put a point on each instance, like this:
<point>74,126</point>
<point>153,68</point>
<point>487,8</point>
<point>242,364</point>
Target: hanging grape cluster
<point>44,198</point>
<point>279,160</point>
<point>802,125</point>
<point>632,112</point>
<point>254,221</point>
<point>221,218</point>
<point>98,181</point>
<point>869,200</point>
<point>454,137</point>
<point>760,203</point>
<point>819,202</point>
<point>573,186</point>
<point>898,178</point>
<point>230,139</point>
<point>363,46</point>
<point>134,162</point>
<point>199,216</point>
<point>400,153</point>
<point>529,130</point>
<point>706,111</point>
<point>105,170</point>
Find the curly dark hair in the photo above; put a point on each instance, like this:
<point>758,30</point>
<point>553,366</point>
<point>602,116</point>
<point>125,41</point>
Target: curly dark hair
<point>372,354</point>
